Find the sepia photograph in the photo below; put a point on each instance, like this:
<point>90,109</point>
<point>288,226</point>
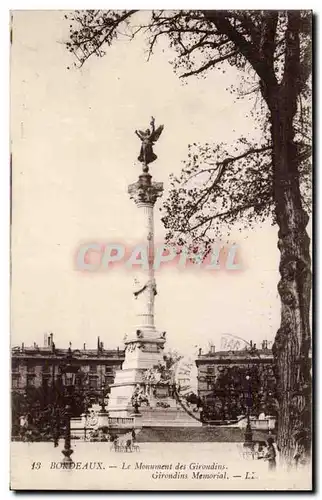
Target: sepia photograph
<point>161,250</point>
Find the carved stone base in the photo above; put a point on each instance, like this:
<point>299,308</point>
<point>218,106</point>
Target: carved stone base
<point>167,417</point>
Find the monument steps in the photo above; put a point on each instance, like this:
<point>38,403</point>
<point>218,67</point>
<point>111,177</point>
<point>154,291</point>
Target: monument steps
<point>196,434</point>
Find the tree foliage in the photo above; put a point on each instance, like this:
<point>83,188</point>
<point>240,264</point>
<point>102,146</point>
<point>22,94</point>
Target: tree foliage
<point>44,407</point>
<point>220,183</point>
<point>232,394</point>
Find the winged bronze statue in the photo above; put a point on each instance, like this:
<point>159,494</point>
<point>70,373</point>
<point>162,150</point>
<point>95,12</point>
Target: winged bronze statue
<point>148,138</point>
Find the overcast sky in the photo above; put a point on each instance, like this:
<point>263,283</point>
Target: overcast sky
<point>74,154</point>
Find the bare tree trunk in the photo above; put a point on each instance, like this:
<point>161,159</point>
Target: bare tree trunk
<point>293,339</point>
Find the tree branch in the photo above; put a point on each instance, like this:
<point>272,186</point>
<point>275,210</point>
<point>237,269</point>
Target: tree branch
<point>267,43</point>
<point>96,36</point>
<point>228,212</point>
<point>204,43</point>
<point>247,49</point>
<point>209,64</point>
<point>250,27</point>
<point>305,67</point>
<point>202,171</point>
<point>250,151</point>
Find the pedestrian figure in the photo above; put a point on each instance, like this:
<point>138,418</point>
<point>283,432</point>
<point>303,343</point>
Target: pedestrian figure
<point>115,443</point>
<point>128,445</point>
<point>270,455</point>
<point>261,445</point>
<point>56,438</point>
<point>299,454</point>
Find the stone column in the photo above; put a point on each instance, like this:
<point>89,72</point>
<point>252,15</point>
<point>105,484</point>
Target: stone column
<point>144,344</point>
<point>145,193</point>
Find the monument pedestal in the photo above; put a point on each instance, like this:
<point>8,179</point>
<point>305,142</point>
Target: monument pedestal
<point>167,417</point>
<point>142,352</point>
<point>160,409</point>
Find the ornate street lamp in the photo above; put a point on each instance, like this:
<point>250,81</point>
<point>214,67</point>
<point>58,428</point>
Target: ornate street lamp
<point>68,371</point>
<point>102,403</point>
<point>248,432</point>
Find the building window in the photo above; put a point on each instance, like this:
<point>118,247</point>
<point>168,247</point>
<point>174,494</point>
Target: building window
<point>46,380</point>
<point>109,379</point>
<point>15,381</point>
<point>30,381</point>
<point>210,384</point>
<point>93,368</point>
<point>93,383</point>
<point>31,368</point>
<point>46,368</point>
<point>15,365</point>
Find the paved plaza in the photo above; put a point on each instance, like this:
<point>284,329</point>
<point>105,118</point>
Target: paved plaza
<point>172,466</point>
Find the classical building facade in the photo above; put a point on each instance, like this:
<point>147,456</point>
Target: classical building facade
<point>213,363</point>
<point>39,367</point>
<point>235,380</point>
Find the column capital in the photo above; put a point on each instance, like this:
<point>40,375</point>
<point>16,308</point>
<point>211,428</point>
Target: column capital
<point>145,191</point>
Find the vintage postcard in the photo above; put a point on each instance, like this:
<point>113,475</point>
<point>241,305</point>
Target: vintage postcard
<point>160,250</point>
